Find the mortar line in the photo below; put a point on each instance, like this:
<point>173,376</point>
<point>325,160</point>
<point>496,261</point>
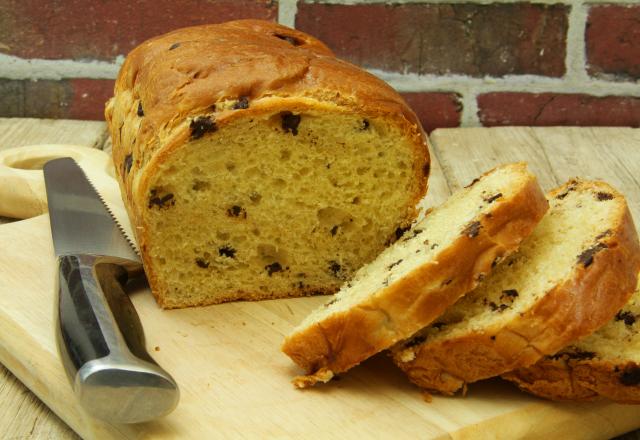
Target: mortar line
<point>21,69</point>
<point>575,61</point>
<point>513,83</point>
<point>470,117</point>
<point>287,10</point>
<point>479,2</point>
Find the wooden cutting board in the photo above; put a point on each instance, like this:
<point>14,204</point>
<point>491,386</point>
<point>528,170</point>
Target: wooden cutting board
<point>233,378</point>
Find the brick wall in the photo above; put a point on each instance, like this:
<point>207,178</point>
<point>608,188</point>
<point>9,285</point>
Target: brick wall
<point>473,62</point>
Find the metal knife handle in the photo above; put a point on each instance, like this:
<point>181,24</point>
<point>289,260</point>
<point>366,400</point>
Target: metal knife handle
<point>101,341</point>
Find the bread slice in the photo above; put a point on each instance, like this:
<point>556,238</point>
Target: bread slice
<point>604,364</point>
<point>254,164</point>
<point>413,281</point>
<point>569,278</point>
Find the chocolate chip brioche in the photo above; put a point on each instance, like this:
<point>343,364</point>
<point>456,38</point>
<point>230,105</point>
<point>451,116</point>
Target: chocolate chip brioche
<point>568,278</point>
<point>254,164</point>
<point>416,279</point>
<point>605,364</point>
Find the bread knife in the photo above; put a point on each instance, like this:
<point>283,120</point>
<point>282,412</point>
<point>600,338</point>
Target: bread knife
<point>99,335</point>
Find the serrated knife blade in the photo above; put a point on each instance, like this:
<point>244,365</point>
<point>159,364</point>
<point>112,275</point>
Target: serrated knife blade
<point>80,220</point>
<point>99,334</point>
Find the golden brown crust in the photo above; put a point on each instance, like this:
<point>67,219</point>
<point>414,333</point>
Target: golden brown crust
<point>575,308</point>
<point>345,339</point>
<point>171,79</point>
<point>580,380</point>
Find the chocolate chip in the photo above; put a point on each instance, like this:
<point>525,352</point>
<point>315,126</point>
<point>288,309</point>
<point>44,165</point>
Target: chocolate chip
<point>392,265</point>
<point>602,196</point>
<point>586,257</point>
<point>140,111</point>
<point>513,293</point>
<point>174,46</point>
<point>237,211</point>
<point>492,337</point>
<point>472,229</point>
<point>438,325</point>
<point>272,268</point>
<point>227,251</point>
<point>434,245</point>
<point>571,187</point>
<point>473,182</point>
<point>498,308</point>
<point>628,317</point>
<point>333,301</point>
<point>630,376</point>
<point>201,262</point>
<point>202,125</point>
<point>289,39</point>
<point>334,230</point>
<point>241,104</point>
<point>161,202</point>
<point>575,354</point>
<point>415,341</point>
<point>290,122</point>
<point>128,163</point>
<point>492,198</point>
<point>365,124</point>
<point>447,282</point>
<point>334,267</point>
<point>426,169</point>
<point>400,231</point>
<point>415,233</point>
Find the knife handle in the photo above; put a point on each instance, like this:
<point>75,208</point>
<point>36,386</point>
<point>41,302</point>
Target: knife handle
<point>101,342</point>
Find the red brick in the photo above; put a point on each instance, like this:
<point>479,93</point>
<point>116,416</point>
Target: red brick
<point>88,97</point>
<point>81,29</point>
<point>546,109</point>
<point>435,110</point>
<point>72,99</point>
<point>613,41</point>
<point>478,40</point>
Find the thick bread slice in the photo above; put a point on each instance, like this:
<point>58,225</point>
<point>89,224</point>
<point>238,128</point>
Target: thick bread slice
<point>569,278</point>
<point>413,281</point>
<point>604,364</point>
<point>254,164</point>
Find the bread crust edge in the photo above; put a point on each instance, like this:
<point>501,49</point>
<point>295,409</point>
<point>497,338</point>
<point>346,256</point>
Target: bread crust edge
<point>575,308</point>
<point>345,339</point>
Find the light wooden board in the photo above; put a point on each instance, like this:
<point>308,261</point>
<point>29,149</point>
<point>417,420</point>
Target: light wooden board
<point>16,132</point>
<point>22,414</point>
<point>234,380</point>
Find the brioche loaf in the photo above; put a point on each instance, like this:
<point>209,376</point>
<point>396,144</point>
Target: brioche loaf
<point>254,164</point>
<point>413,281</point>
<point>604,364</point>
<point>569,278</point>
